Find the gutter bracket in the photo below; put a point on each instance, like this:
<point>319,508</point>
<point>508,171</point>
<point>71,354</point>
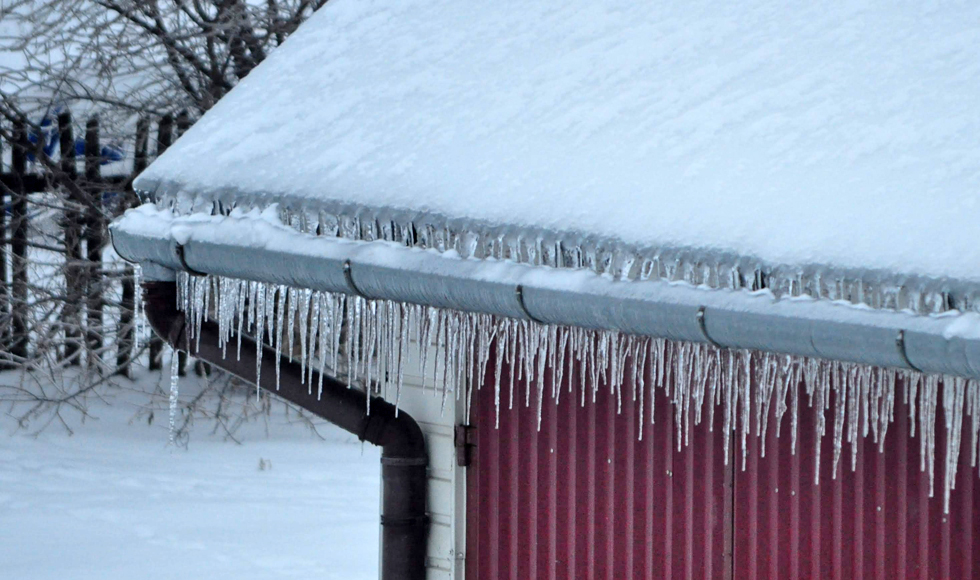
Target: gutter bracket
<point>465,439</point>
<point>519,291</point>
<point>349,279</point>
<point>900,345</point>
<point>404,461</point>
<point>704,328</point>
<point>179,252</point>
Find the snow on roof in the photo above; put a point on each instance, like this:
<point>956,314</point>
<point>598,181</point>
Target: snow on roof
<point>846,135</point>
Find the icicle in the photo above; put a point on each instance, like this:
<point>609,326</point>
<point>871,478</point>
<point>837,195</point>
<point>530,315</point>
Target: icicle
<point>207,283</point>
<point>657,353</point>
<point>253,303</point>
<point>222,306</point>
<point>242,286</point>
<point>927,418</point>
<point>552,350</point>
<point>370,335</point>
<point>338,306</point>
<point>622,351</point>
<point>911,385</point>
<point>585,342</point>
<point>840,387</point>
<point>314,327</point>
<point>197,308</point>
<point>640,362</point>
<point>543,335</point>
<point>352,346</point>
<point>138,314</point>
<point>323,322</point>
<point>766,388</point>
<point>425,341</point>
<point>403,332</point>
<point>487,332</point>
<point>712,378</point>
<point>793,379</point>
<point>291,306</point>
<point>440,321</point>
<point>530,342</point>
<point>450,351</point>
<point>267,322</point>
<point>748,387</point>
<point>853,410</point>
<point>595,361</point>
<point>512,360</point>
<point>303,322</point>
<point>280,314</point>
<point>680,392</point>
<point>744,396</point>
<point>953,399</point>
<point>731,394</point>
<point>499,352</point>
<point>563,360</point>
<point>260,305</point>
<point>174,379</point>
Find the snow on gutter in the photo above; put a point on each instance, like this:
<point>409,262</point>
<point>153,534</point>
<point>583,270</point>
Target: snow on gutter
<point>256,246</point>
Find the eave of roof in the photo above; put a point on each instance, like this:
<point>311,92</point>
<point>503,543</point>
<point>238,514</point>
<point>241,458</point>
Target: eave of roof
<point>258,246</point>
<point>698,266</point>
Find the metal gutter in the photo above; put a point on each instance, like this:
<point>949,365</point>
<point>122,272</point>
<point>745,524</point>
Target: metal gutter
<point>733,319</point>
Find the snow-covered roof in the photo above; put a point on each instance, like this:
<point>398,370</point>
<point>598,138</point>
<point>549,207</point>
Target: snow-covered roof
<point>845,136</point>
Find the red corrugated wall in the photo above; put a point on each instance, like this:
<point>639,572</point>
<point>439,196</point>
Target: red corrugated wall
<point>584,498</point>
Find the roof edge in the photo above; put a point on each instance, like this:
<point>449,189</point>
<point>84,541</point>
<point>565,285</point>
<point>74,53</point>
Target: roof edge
<point>738,319</point>
<point>711,267</point>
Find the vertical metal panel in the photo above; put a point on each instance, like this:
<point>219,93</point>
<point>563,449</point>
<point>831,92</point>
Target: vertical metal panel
<point>585,498</point>
<point>875,522</point>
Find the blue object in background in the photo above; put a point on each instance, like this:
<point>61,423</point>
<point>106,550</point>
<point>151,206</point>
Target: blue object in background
<point>51,138</point>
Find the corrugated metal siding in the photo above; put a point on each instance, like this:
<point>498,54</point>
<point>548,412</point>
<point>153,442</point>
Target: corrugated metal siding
<point>876,522</point>
<point>583,498</point>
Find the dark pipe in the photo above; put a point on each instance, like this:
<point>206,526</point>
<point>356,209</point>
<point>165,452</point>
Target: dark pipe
<point>403,456</point>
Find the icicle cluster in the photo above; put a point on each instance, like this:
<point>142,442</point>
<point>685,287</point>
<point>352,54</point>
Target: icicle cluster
<point>558,249</point>
<point>367,342</point>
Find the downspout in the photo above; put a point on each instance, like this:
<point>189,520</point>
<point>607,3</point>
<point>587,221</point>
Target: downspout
<point>403,457</point>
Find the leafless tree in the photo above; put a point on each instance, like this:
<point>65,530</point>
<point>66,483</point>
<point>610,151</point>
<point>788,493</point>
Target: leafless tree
<point>116,67</point>
<point>148,56</point>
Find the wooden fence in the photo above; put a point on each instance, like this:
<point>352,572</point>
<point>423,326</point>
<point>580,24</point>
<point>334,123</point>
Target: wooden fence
<point>88,201</point>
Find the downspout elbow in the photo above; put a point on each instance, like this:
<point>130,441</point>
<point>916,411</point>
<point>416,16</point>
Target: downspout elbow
<point>396,432</point>
<point>404,458</point>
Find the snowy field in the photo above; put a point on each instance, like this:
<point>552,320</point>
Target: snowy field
<point>113,500</point>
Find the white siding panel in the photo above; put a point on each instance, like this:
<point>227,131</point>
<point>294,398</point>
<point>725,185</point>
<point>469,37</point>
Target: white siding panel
<point>447,483</point>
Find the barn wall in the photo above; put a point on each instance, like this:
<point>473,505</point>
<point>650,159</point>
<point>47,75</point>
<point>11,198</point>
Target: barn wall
<point>876,522</point>
<point>584,498</point>
<point>446,494</point>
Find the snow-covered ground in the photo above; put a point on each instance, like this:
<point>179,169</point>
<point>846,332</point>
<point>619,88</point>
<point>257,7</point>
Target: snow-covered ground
<point>113,500</point>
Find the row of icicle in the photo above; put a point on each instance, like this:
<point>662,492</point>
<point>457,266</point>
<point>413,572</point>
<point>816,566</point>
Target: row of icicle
<point>459,350</point>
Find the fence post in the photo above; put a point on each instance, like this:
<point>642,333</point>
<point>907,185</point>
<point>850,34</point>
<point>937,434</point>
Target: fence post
<point>94,240</point>
<point>71,319</point>
<point>165,136</point>
<point>127,306</point>
<point>183,122</point>
<point>18,244</point>
<point>4,287</point>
